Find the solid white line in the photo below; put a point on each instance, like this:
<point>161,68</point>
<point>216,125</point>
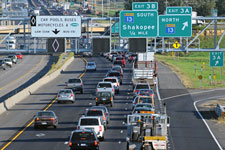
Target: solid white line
<point>157,89</point>
<point>210,131</point>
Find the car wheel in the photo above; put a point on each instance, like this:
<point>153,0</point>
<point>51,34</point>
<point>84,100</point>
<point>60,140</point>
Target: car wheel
<point>81,91</point>
<point>72,102</point>
<point>3,68</point>
<point>121,83</point>
<point>55,126</point>
<point>102,138</point>
<point>111,104</point>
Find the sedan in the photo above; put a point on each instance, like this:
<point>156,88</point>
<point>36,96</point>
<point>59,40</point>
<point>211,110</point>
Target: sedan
<point>65,95</point>
<point>91,66</point>
<point>19,56</point>
<point>8,61</point>
<point>45,118</point>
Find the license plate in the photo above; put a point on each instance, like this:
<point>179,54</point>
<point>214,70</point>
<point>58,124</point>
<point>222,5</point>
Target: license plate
<point>83,145</point>
<point>44,123</point>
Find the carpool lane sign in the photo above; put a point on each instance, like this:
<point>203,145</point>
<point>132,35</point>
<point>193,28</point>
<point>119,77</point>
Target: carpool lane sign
<point>135,24</point>
<point>145,6</point>
<point>55,26</point>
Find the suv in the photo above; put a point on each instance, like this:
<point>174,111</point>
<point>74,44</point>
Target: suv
<point>76,84</point>
<point>94,123</point>
<point>114,82</point>
<point>106,111</point>
<point>141,86</point>
<point>117,68</point>
<point>97,113</point>
<point>105,87</point>
<point>104,98</point>
<point>115,74</point>
<point>83,139</point>
<point>2,64</point>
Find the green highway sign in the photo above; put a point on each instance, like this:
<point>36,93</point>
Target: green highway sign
<point>178,10</point>
<point>175,26</point>
<point>136,24</point>
<point>216,59</point>
<point>145,6</point>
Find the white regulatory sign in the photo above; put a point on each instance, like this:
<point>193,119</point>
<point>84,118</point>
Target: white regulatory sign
<point>55,26</point>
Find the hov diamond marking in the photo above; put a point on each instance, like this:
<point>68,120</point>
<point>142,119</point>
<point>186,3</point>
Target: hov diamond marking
<point>55,45</point>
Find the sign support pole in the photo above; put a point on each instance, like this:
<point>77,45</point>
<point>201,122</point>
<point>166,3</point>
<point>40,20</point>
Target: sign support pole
<point>35,45</point>
<point>221,73</point>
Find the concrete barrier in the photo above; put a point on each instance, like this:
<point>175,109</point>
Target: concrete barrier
<point>10,102</point>
<point>220,110</point>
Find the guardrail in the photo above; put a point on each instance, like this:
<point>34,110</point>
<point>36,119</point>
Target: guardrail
<point>220,110</point>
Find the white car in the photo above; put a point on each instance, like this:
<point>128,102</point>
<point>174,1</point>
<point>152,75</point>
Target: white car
<point>91,66</point>
<point>115,83</point>
<point>94,123</point>
<point>8,61</point>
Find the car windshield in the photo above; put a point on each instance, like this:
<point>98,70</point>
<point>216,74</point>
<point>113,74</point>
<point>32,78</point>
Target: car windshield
<point>94,113</point>
<point>91,64</point>
<point>118,62</point>
<point>65,92</point>
<point>77,136</point>
<point>142,86</point>
<point>145,100</point>
<point>110,80</point>
<point>89,121</point>
<point>104,85</point>
<point>10,56</point>
<point>74,81</point>
<point>143,106</point>
<point>45,114</point>
<point>103,94</point>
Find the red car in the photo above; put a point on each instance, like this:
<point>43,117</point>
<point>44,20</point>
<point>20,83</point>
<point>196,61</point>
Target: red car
<point>19,56</point>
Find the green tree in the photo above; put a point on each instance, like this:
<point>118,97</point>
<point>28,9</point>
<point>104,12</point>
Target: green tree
<point>205,7</point>
<point>220,5</point>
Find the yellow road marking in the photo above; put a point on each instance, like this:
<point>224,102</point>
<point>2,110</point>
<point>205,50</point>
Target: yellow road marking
<point>23,75</point>
<point>31,122</point>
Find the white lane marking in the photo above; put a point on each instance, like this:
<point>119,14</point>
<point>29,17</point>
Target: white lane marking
<point>123,122</point>
<point>126,103</point>
<point>192,93</point>
<point>119,142</point>
<point>210,131</point>
<point>125,108</point>
<point>90,103</point>
<point>121,131</point>
<point>40,134</point>
<point>157,89</point>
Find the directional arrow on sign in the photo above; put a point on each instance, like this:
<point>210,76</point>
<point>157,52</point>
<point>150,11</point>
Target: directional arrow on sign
<point>217,62</point>
<point>56,31</point>
<point>185,25</point>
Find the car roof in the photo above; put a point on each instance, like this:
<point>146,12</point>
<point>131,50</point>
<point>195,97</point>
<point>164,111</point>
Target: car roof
<point>90,117</point>
<point>104,82</point>
<point>111,78</point>
<point>83,130</point>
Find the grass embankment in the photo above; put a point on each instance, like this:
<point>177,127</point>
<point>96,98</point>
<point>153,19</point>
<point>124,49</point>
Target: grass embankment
<point>60,62</point>
<point>184,66</point>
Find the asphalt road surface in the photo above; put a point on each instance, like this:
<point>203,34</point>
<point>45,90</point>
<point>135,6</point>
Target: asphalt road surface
<point>187,131</point>
<point>23,71</point>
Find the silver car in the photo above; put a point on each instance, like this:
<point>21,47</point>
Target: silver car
<point>91,66</point>
<point>65,95</point>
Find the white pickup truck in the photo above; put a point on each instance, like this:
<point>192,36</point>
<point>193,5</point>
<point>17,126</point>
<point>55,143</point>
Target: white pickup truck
<point>105,87</point>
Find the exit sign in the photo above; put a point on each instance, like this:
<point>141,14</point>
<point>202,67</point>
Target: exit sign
<point>179,10</point>
<point>145,6</point>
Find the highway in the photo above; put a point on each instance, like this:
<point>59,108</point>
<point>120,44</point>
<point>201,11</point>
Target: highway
<point>187,131</point>
<point>25,72</point>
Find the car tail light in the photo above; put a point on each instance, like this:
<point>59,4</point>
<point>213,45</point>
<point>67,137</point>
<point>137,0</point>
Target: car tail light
<point>100,128</point>
<point>96,143</point>
<point>112,90</point>
<point>81,84</point>
<point>111,98</point>
<point>104,118</point>
<point>37,119</point>
<point>96,99</point>
<point>96,90</point>
<point>139,95</point>
<point>151,94</point>
<point>78,127</point>
<point>135,91</point>
<point>70,144</point>
<point>52,119</point>
<point>71,95</point>
<point>105,114</point>
<point>117,84</point>
<point>58,95</point>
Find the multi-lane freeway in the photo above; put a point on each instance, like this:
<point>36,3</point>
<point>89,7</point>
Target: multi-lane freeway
<point>186,132</point>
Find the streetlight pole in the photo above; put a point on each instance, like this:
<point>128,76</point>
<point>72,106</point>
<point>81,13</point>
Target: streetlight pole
<point>102,8</point>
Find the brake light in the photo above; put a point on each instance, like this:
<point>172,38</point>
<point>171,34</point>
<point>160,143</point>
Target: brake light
<point>78,127</point>
<point>100,128</point>
<point>71,95</point>
<point>139,95</point>
<point>104,118</point>
<point>70,144</point>
<point>117,84</point>
<point>105,114</point>
<point>96,90</point>
<point>135,91</point>
<point>96,99</point>
<point>111,99</point>
<point>112,90</point>
<point>37,119</point>
<point>81,84</point>
<point>151,94</point>
<point>52,119</point>
<point>96,143</point>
